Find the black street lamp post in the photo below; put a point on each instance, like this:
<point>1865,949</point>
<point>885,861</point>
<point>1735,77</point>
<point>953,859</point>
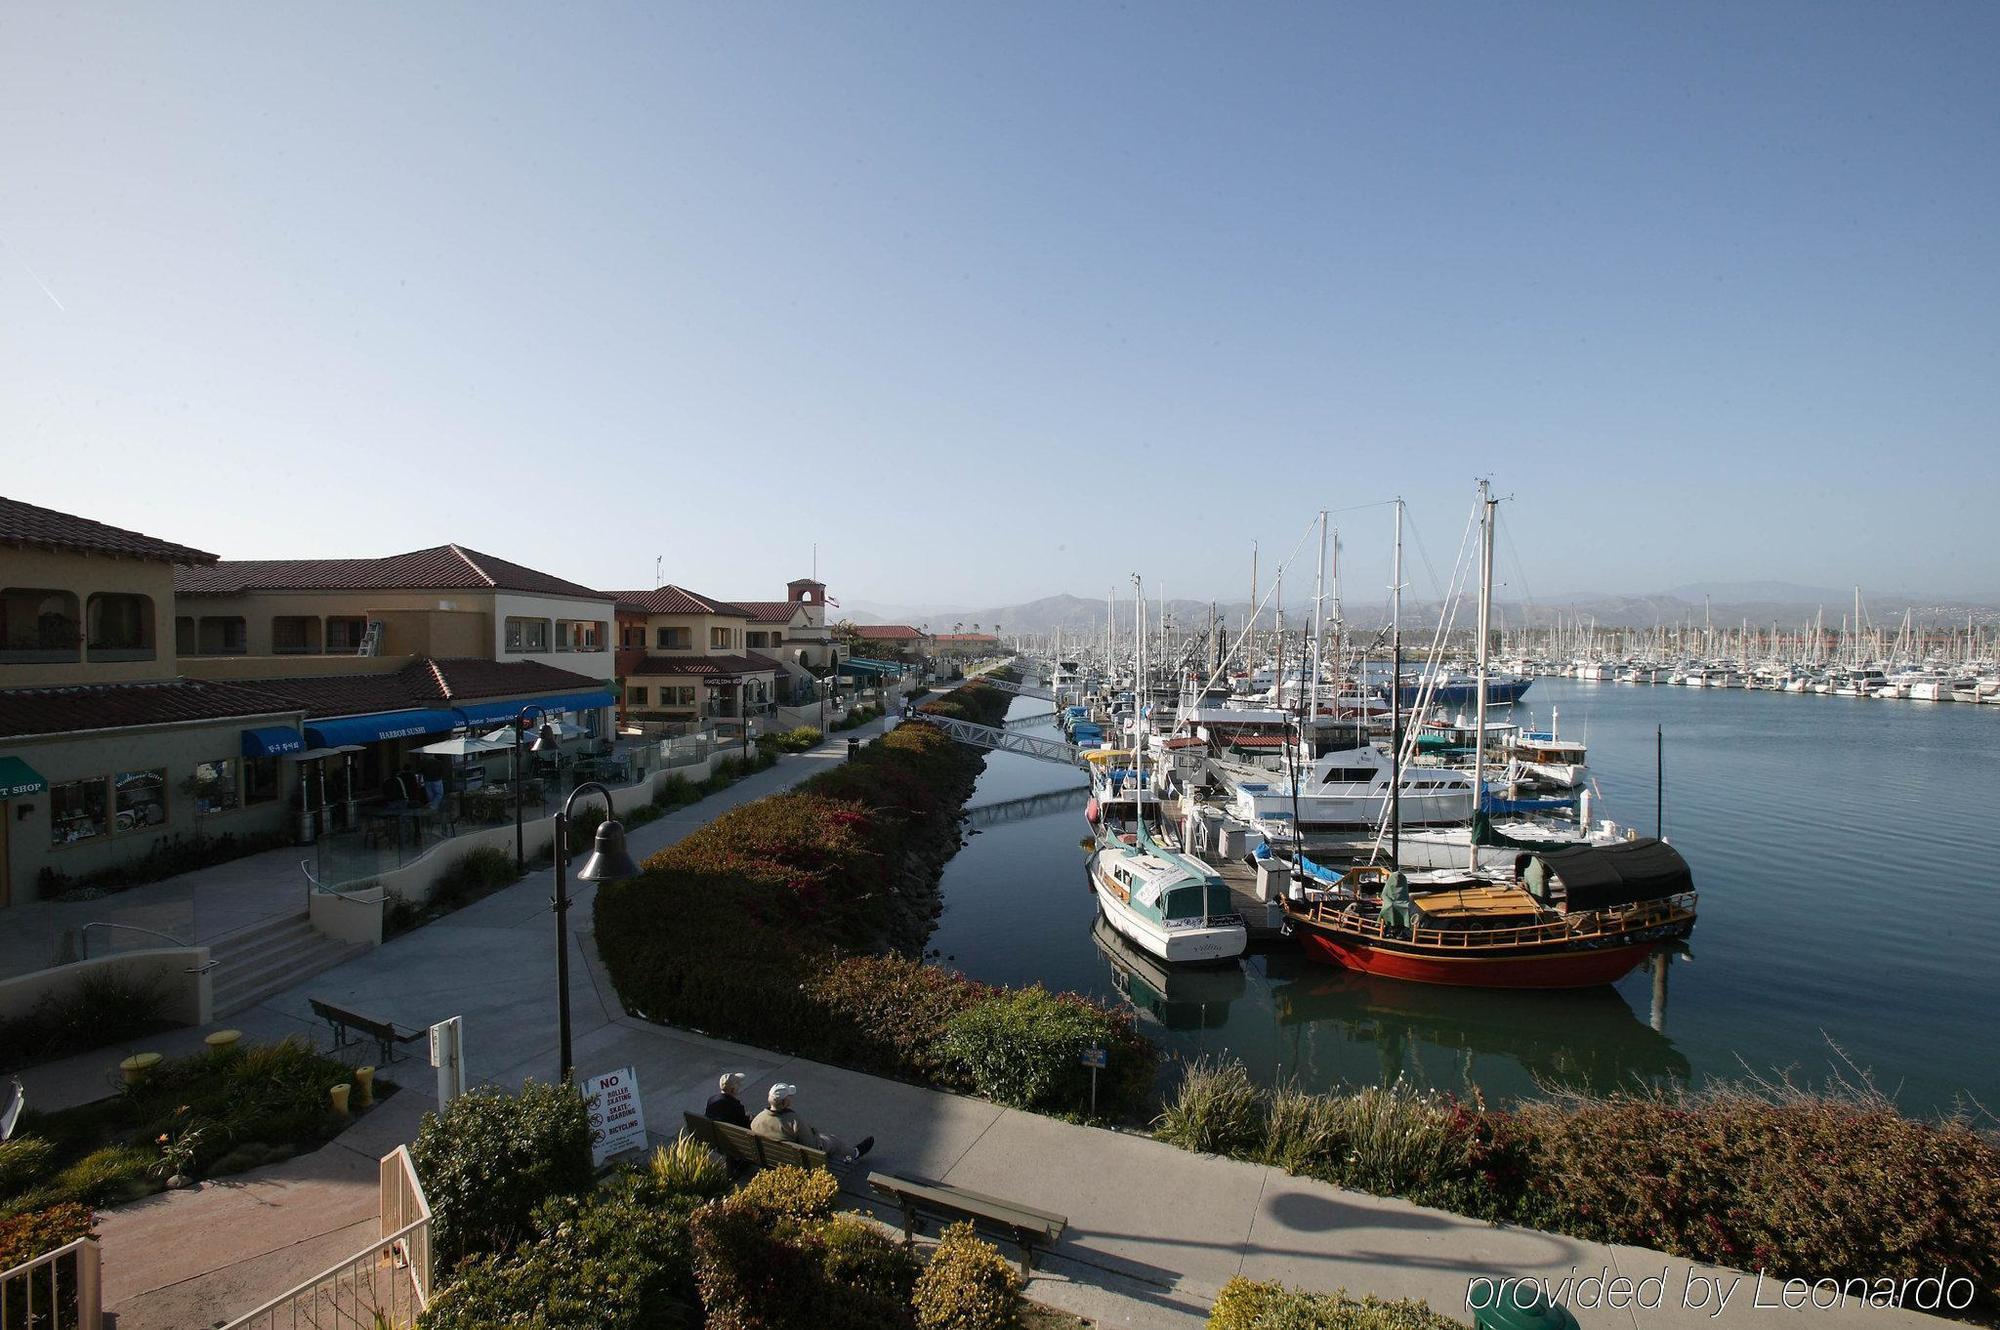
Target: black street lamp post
<point>609,861</point>
<point>545,740</point>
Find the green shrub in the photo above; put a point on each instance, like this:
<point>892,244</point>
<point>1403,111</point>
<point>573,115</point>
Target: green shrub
<point>1217,1111</point>
<point>102,1177</point>
<point>583,827</point>
<point>687,1168</point>
<point>104,1008</point>
<point>1246,1304</point>
<point>758,1267</point>
<point>967,1286</point>
<point>1025,1049</point>
<point>675,791</point>
<point>24,1160</point>
<point>797,1194</point>
<point>617,1258</point>
<point>489,1159</point>
<point>475,874</point>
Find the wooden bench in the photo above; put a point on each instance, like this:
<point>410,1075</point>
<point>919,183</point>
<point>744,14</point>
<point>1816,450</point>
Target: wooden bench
<point>1024,1225</point>
<point>734,1142</point>
<point>386,1034</point>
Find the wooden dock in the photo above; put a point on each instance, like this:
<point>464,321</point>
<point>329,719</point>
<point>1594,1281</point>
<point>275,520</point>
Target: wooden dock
<point>1258,916</point>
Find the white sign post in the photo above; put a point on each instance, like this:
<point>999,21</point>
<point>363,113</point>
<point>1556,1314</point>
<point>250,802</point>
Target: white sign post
<point>448,1056</point>
<point>617,1117</point>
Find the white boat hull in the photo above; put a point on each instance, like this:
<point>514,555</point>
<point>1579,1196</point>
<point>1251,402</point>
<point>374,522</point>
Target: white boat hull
<point>1183,945</point>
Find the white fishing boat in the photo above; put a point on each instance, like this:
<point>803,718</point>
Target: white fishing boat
<point>1168,904</point>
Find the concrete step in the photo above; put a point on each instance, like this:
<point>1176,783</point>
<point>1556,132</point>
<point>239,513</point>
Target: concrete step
<point>249,989</point>
<point>255,935</point>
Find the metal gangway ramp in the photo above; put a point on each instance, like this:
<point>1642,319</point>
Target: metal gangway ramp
<point>1004,740</point>
<point>1017,689</point>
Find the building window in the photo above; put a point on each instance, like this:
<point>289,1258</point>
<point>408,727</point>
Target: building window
<point>718,639</point>
<point>579,635</point>
<point>635,697</point>
<point>763,639</point>
<point>344,633</point>
<point>142,799</point>
<point>184,635</point>
<point>633,636</point>
<point>37,625</point>
<point>214,786</point>
<point>222,635</point>
<point>120,626</point>
<point>527,635</point>
<point>76,810</point>
<point>295,635</point>
<point>677,697</point>
<point>673,639</point>
<point>260,780</point>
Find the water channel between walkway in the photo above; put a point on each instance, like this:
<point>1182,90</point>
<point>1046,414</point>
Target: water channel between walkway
<point>1850,897</point>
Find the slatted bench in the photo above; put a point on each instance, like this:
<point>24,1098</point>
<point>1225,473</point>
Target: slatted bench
<point>386,1034</point>
<point>1023,1225</point>
<point>734,1142</point>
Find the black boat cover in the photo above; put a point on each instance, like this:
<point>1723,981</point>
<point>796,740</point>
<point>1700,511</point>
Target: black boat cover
<point>1597,877</point>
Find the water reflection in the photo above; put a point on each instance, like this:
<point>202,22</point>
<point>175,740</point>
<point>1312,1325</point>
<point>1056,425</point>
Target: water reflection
<point>1176,997</point>
<point>1587,1038</point>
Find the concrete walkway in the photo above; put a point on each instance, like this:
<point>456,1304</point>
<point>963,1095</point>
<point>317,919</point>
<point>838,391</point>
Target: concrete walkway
<point>1154,1231</point>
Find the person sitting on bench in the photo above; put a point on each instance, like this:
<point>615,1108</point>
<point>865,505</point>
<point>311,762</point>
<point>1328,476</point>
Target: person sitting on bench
<point>725,1105</point>
<point>779,1123</point>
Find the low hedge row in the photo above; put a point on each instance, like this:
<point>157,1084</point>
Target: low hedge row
<point>780,924</point>
<point>1755,1176</point>
<point>1249,1304</point>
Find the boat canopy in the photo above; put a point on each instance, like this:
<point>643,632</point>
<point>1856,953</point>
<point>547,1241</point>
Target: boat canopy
<point>1597,877</point>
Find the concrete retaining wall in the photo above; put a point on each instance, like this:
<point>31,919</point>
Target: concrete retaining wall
<point>179,973</point>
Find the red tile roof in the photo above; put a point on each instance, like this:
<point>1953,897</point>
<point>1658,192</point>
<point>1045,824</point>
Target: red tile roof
<point>886,632</point>
<point>654,666</point>
<point>676,600</point>
<point>768,611</point>
<point>25,524</point>
<point>423,683</point>
<point>441,568</point>
<point>113,706</point>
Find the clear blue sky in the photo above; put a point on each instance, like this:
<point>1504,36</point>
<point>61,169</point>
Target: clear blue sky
<point>1714,290</point>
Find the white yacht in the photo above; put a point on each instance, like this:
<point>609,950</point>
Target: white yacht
<point>1168,904</point>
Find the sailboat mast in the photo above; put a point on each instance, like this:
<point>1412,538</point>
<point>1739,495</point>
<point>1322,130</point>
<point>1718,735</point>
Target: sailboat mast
<point>1319,615</point>
<point>1396,696</point>
<point>1139,705</point>
<point>1486,503</point>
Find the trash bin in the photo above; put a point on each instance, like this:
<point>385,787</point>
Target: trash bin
<point>853,748</point>
<point>1514,1304</point>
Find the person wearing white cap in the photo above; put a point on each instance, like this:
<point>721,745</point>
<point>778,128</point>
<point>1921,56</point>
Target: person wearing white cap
<point>779,1123</point>
<point>725,1105</point>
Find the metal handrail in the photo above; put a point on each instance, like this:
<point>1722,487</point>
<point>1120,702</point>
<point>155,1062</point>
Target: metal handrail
<point>396,1246</point>
<point>83,934</point>
<point>88,1286</point>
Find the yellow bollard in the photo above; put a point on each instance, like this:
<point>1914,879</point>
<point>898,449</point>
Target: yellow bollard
<point>340,1093</point>
<point>364,1086</point>
<point>223,1042</point>
<point>137,1067</point>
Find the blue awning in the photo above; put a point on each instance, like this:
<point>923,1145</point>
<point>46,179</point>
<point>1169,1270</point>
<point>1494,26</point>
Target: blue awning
<point>272,741</point>
<point>381,725</point>
<point>865,669</point>
<point>487,711</point>
<point>889,666</point>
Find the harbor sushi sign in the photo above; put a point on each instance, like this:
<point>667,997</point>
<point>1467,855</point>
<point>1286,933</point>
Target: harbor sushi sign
<point>617,1117</point>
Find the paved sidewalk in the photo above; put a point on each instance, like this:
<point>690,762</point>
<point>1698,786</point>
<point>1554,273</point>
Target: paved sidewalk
<point>1154,1231</point>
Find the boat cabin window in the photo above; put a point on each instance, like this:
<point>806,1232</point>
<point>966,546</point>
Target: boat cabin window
<point>1336,775</point>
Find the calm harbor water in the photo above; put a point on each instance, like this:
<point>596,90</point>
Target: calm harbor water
<point>1850,896</point>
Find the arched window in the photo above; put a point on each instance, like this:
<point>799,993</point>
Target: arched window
<point>120,626</point>
<point>38,625</point>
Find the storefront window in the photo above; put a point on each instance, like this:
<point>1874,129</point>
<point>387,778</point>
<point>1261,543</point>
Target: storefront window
<point>260,780</point>
<point>76,810</point>
<point>142,799</point>
<point>215,786</point>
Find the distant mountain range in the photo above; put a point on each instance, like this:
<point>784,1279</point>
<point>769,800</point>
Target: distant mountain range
<point>1725,603</point>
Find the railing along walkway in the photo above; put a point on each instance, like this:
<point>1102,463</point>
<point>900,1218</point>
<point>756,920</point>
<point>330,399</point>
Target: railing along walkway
<point>58,1290</point>
<point>387,1284</point>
